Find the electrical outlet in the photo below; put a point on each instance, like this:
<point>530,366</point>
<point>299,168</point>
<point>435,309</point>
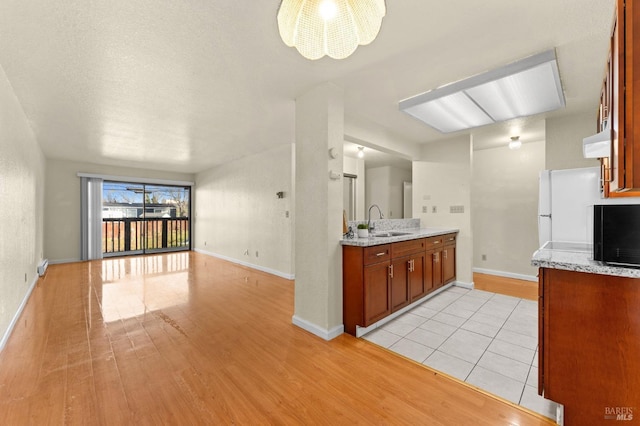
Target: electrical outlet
<point>205,243</point>
<point>456,209</point>
<point>484,257</point>
<point>434,209</point>
<point>256,253</point>
<point>424,209</point>
<point>286,214</point>
<point>246,252</point>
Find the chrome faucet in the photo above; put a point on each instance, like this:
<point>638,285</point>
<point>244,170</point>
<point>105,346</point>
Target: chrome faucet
<point>371,229</point>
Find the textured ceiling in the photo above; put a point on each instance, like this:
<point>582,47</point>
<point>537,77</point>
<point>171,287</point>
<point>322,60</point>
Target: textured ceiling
<point>187,85</point>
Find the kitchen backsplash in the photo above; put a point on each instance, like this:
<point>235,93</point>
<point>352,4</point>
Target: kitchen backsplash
<point>388,224</point>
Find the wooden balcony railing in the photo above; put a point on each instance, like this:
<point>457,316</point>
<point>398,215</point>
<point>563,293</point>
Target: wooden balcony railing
<point>136,234</point>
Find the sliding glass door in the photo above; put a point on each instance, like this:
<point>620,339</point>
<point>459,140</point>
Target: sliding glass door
<point>145,218</point>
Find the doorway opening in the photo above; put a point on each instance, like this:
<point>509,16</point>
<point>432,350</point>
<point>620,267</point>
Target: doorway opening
<point>142,218</point>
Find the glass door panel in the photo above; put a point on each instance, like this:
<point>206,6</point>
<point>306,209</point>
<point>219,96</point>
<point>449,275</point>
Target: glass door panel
<point>139,218</point>
<point>167,221</point>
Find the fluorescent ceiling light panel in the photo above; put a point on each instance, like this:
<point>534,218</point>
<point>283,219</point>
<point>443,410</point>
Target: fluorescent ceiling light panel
<point>450,113</point>
<point>527,87</point>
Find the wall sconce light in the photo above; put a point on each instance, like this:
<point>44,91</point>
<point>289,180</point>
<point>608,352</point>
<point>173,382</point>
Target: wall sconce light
<point>361,152</point>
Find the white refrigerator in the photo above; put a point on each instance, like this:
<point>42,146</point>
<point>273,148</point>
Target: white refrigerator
<point>565,207</point>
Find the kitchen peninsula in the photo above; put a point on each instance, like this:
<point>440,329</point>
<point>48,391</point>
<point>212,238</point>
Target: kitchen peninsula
<point>393,270</point>
<point>589,335</point>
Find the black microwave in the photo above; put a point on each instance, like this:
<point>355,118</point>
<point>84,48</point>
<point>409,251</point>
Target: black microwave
<point>616,234</point>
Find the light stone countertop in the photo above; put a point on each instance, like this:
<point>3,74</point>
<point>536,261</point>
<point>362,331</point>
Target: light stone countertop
<point>578,258</point>
<point>413,234</point>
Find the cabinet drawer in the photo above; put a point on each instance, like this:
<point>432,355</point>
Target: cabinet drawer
<point>449,238</point>
<point>434,242</point>
<point>376,254</point>
<point>403,248</point>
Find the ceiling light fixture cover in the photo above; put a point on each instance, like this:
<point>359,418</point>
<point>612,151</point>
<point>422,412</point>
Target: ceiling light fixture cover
<point>361,152</point>
<point>515,143</point>
<point>329,27</point>
<point>523,88</point>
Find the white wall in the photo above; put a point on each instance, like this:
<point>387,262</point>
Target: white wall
<point>62,202</point>
<point>564,141</point>
<point>443,179</point>
<point>318,204</point>
<point>355,166</point>
<point>22,168</point>
<point>239,215</point>
<point>384,187</point>
<point>504,204</point>
<point>397,177</point>
<point>377,190</point>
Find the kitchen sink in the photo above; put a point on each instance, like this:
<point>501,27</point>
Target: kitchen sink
<point>390,234</point>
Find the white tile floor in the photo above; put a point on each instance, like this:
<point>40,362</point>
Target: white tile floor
<point>486,339</point>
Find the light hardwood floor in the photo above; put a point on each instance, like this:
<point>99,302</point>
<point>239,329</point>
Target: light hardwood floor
<point>509,286</point>
<point>184,338</point>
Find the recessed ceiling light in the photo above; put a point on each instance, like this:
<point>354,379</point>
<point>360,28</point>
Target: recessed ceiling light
<point>523,88</point>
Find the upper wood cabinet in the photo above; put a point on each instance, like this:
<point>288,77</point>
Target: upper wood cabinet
<point>620,103</point>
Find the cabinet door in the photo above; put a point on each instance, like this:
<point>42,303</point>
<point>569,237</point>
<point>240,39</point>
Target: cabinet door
<point>428,271</point>
<point>400,283</point>
<point>449,263</point>
<point>417,287</point>
<point>377,292</point>
<point>436,258</point>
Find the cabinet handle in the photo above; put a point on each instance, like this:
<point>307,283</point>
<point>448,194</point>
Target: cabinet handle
<point>445,254</point>
<point>410,263</point>
<point>436,257</point>
<point>436,242</point>
<point>390,271</point>
<point>452,239</point>
<point>381,254</point>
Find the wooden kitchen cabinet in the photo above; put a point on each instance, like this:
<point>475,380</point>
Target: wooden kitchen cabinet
<point>377,286</point>
<point>620,103</point>
<point>400,283</point>
<point>589,335</point>
<point>366,285</point>
<point>441,255</point>
<point>433,274</point>
<point>449,259</point>
<point>435,257</point>
<point>379,280</point>
<point>407,279</point>
<point>417,284</point>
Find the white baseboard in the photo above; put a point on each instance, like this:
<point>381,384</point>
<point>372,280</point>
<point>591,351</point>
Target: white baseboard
<point>247,264</point>
<point>318,331</point>
<point>59,261</point>
<point>468,286</point>
<point>16,317</point>
<point>506,274</point>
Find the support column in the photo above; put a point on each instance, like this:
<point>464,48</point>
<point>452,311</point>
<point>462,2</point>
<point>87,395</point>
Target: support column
<point>318,221</point>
